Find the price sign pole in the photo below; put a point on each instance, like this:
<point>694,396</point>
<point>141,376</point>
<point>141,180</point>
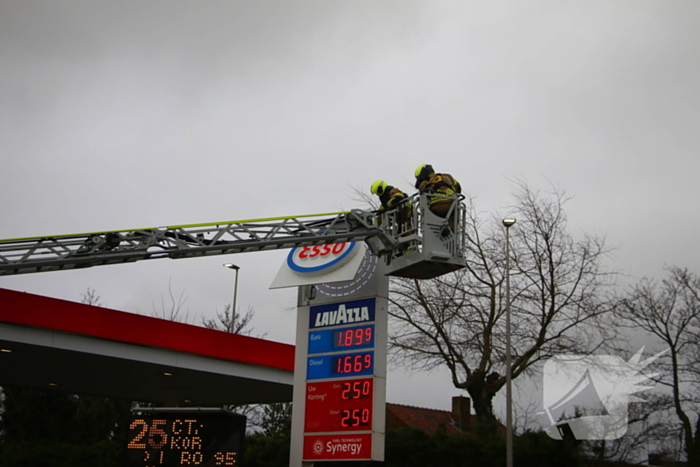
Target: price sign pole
<point>339,398</point>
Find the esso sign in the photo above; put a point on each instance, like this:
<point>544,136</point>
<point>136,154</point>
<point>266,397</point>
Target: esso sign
<point>320,259</point>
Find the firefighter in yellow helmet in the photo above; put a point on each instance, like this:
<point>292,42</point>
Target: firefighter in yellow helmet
<point>389,196</point>
<point>427,181</point>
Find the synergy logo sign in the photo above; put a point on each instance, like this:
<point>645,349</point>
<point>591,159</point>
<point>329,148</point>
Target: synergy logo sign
<point>337,447</point>
<point>602,385</point>
<point>320,259</point>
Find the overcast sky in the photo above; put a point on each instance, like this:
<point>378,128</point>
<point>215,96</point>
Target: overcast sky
<point>128,114</point>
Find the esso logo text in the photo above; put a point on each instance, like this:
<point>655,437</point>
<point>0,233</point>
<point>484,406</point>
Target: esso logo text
<point>322,250</point>
<point>320,259</point>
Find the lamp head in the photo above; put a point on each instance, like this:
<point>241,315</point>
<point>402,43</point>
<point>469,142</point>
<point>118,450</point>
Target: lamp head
<point>508,222</point>
<point>231,266</point>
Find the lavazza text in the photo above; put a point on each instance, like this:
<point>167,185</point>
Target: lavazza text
<point>342,316</point>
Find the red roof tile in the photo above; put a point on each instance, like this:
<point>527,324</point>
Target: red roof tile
<point>428,420</point>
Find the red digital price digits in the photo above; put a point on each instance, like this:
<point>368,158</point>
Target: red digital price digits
<point>345,405</point>
<point>352,363</point>
<point>321,250</point>
<point>353,337</point>
<point>355,417</point>
<point>356,389</point>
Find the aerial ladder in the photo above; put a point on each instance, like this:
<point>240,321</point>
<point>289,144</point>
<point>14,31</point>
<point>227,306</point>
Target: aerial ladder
<point>412,240</point>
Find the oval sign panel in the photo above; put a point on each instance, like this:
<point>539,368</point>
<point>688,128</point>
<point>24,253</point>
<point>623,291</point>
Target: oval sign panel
<point>320,259</point>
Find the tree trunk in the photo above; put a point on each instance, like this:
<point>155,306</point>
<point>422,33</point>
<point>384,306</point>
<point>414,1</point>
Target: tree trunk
<point>482,389</point>
<point>693,449</point>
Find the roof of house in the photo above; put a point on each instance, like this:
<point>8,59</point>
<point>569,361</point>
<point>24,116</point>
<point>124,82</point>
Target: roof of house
<point>427,420</point>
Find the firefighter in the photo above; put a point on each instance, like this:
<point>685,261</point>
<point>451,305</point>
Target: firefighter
<point>389,196</point>
<point>393,198</point>
<point>427,181</point>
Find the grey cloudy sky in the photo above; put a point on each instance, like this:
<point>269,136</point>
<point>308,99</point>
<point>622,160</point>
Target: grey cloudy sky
<point>128,114</point>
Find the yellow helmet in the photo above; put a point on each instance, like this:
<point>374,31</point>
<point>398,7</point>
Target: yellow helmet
<point>424,169</point>
<point>378,187</point>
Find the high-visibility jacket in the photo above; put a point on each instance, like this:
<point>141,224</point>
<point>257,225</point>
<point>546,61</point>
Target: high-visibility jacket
<point>391,197</point>
<point>395,198</point>
<point>439,184</point>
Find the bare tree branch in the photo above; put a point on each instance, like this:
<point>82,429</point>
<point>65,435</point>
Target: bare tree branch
<point>90,297</point>
<point>236,324</point>
<point>172,311</point>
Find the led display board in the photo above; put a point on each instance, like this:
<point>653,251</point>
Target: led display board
<point>334,340</point>
<point>340,366</point>
<point>340,381</point>
<point>181,438</point>
<point>344,405</point>
<point>339,420</point>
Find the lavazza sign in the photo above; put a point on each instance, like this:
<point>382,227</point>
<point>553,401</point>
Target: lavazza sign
<point>341,315</point>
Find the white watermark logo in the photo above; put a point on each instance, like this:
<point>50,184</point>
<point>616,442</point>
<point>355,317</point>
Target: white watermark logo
<point>603,384</point>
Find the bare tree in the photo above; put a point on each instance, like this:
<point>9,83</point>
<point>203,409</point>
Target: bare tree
<point>670,311</point>
<point>559,297</point>
<point>90,297</point>
<point>172,309</point>
<point>239,324</point>
<point>365,197</point>
<point>234,324</point>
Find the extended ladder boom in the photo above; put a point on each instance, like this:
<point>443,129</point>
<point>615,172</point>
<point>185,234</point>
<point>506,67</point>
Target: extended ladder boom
<point>413,241</point>
<point>53,253</point>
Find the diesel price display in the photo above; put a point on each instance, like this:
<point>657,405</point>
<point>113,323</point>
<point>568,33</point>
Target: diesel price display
<point>182,438</point>
<point>342,365</point>
<point>352,364</point>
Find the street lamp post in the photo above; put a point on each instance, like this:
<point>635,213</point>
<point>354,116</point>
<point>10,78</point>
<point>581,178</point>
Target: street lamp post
<point>509,389</point>
<point>235,294</point>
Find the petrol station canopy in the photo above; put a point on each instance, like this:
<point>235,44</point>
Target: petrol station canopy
<point>52,344</point>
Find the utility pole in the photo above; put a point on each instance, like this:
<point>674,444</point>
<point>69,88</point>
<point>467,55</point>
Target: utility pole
<point>509,384</point>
